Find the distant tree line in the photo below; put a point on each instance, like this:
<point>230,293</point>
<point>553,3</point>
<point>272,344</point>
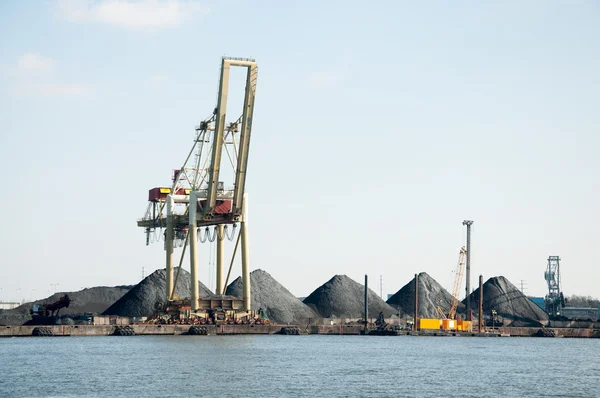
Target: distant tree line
<point>582,301</point>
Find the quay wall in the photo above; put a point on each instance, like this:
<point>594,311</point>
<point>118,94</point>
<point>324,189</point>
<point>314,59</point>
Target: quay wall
<point>147,330</point>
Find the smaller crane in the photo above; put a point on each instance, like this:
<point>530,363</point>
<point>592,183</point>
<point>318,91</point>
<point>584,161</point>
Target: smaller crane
<point>457,282</point>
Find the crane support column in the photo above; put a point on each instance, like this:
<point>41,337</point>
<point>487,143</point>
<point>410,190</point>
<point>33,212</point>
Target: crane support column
<point>221,111</point>
<point>468,223</point>
<point>217,149</point>
<point>220,289</point>
<point>245,260</point>
<point>244,145</point>
<point>193,251</point>
<point>169,246</point>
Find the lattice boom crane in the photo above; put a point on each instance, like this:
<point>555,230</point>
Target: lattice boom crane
<point>457,282</point>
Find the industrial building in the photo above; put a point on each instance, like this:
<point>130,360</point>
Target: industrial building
<point>8,305</point>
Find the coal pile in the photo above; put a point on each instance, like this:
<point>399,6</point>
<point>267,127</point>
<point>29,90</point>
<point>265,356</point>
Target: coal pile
<point>342,297</point>
<point>508,301</point>
<point>431,295</point>
<point>92,300</point>
<point>142,298</point>
<point>280,305</point>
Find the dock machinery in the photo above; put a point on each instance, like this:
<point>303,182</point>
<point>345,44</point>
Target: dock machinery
<point>198,199</point>
<point>554,300</point>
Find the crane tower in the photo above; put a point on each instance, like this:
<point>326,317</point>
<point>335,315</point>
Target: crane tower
<point>199,200</point>
<point>554,300</point>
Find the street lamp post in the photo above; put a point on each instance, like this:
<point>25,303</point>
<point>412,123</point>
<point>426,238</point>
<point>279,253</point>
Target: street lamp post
<point>54,286</point>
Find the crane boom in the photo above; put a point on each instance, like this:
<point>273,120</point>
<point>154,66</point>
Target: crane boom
<point>457,282</point>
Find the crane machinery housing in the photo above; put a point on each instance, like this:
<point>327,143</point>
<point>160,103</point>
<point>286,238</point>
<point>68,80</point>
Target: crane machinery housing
<point>198,200</point>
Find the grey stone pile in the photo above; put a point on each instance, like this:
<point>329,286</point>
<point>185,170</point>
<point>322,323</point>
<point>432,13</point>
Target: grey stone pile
<point>92,300</point>
<point>280,305</point>
<point>143,298</point>
<point>431,295</point>
<point>508,301</point>
<point>343,297</point>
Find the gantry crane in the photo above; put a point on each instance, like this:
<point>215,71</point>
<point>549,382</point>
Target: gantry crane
<point>197,198</point>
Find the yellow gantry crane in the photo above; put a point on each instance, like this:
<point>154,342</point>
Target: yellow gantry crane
<point>199,200</point>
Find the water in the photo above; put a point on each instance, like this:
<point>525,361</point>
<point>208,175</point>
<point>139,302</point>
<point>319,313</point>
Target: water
<point>275,366</point>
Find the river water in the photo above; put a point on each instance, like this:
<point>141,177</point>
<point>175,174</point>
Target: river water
<point>299,366</point>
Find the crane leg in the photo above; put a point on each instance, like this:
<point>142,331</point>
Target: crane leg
<point>169,248</point>
<point>194,268</point>
<point>193,252</point>
<point>245,260</point>
<point>220,289</point>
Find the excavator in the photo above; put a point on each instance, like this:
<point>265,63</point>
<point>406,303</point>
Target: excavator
<point>382,328</point>
<point>41,311</point>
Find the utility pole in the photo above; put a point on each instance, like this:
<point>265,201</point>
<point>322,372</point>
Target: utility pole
<point>381,286</point>
<point>366,302</point>
<point>523,286</point>
<point>142,273</point>
<point>468,223</point>
<point>416,315</point>
<point>481,325</point>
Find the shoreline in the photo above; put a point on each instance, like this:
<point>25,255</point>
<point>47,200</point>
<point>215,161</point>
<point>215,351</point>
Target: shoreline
<point>212,330</point>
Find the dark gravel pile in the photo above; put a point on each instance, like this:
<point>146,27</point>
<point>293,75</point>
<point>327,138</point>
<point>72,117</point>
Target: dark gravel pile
<point>280,305</point>
<point>343,297</point>
<point>431,295</point>
<point>94,300</point>
<point>142,298</point>
<point>508,301</point>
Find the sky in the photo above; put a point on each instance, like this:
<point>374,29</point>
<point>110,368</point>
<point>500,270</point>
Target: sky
<point>378,128</point>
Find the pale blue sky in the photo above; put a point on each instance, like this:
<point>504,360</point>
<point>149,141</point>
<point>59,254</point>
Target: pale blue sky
<point>378,129</point>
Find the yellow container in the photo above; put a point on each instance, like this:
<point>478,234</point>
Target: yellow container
<point>466,326</point>
<point>425,323</point>
<point>449,324</point>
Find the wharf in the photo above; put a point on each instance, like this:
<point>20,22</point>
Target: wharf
<point>139,330</point>
<point>173,330</point>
